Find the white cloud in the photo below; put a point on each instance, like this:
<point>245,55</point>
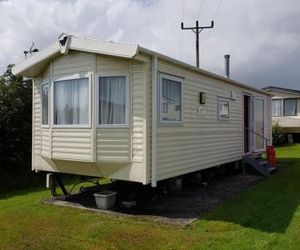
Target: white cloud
<point>261,35</point>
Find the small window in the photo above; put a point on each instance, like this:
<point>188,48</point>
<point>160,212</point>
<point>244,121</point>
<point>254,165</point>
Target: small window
<point>290,107</point>
<point>170,99</point>
<point>113,100</point>
<point>276,107</point>
<point>223,109</point>
<point>45,95</point>
<point>71,102</point>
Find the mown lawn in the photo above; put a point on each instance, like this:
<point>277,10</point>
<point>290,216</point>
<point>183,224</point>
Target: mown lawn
<point>266,216</point>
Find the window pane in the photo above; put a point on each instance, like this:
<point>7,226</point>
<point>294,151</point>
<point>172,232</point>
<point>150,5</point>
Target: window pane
<point>276,107</point>
<point>45,91</point>
<point>224,109</point>
<point>170,105</point>
<point>289,107</point>
<point>259,123</point>
<point>71,102</point>
<point>112,100</point>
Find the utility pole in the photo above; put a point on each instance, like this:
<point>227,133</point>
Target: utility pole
<point>197,31</point>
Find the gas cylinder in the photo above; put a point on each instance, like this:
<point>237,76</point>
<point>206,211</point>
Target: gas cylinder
<point>271,155</point>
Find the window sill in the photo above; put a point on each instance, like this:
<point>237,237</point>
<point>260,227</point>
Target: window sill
<point>113,126</point>
<point>172,124</point>
<point>71,126</point>
<point>223,119</point>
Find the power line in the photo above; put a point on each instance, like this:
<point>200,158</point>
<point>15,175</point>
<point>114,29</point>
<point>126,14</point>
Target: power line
<point>214,18</point>
<point>200,8</point>
<point>183,7</point>
<point>217,10</point>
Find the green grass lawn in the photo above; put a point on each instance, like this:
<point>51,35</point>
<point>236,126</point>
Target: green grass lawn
<point>266,216</point>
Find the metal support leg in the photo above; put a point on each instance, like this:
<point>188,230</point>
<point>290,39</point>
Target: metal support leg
<point>61,185</point>
<point>54,180</point>
<point>244,167</point>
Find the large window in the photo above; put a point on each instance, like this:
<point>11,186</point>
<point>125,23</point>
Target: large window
<point>44,96</point>
<point>223,109</point>
<point>276,107</point>
<point>259,126</point>
<point>170,99</point>
<point>290,107</point>
<point>71,102</point>
<point>113,100</point>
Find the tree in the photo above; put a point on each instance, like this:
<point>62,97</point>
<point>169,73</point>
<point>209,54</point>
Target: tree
<point>15,129</point>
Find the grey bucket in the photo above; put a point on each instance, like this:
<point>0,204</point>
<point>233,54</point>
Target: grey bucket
<point>105,199</point>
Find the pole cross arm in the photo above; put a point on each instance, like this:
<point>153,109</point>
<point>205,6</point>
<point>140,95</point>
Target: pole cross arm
<point>209,27</point>
<point>198,27</point>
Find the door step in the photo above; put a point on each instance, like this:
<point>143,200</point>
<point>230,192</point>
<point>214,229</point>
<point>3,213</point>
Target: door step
<point>259,164</point>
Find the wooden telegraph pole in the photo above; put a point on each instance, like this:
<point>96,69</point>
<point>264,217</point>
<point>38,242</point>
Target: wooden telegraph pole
<point>197,29</point>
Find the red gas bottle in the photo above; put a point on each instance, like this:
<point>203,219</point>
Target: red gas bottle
<point>271,155</point>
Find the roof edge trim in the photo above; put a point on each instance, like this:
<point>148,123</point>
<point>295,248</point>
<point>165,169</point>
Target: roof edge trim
<point>36,58</point>
<point>202,71</point>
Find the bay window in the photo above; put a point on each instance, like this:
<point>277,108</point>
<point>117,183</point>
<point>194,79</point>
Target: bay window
<point>71,102</point>
<point>44,97</point>
<point>170,99</point>
<point>113,98</point>
<point>290,107</point>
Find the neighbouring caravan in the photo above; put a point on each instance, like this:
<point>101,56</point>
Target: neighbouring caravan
<point>124,112</point>
<point>286,110</point>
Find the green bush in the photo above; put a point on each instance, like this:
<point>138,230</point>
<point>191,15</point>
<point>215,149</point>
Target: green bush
<point>15,131</point>
<point>278,134</point>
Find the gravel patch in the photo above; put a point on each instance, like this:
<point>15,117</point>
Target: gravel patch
<point>178,208</point>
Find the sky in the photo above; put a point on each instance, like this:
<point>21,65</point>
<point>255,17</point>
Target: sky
<point>261,36</point>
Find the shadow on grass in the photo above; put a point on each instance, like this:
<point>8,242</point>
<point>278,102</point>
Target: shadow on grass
<point>6,193</point>
<point>270,205</point>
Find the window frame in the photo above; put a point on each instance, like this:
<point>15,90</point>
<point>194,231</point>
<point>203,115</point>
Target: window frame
<point>45,82</point>
<point>69,78</point>
<point>283,106</point>
<point>172,78</point>
<point>280,108</point>
<point>127,99</point>
<point>220,99</point>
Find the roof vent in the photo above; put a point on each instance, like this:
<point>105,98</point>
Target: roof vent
<point>227,65</point>
<point>64,40</point>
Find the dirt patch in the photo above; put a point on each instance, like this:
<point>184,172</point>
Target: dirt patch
<point>180,207</point>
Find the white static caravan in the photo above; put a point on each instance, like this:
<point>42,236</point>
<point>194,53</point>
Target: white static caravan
<point>286,109</point>
<point>121,111</point>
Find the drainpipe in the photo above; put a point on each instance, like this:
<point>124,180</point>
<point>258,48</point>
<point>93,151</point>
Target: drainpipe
<point>227,65</point>
<point>154,120</point>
